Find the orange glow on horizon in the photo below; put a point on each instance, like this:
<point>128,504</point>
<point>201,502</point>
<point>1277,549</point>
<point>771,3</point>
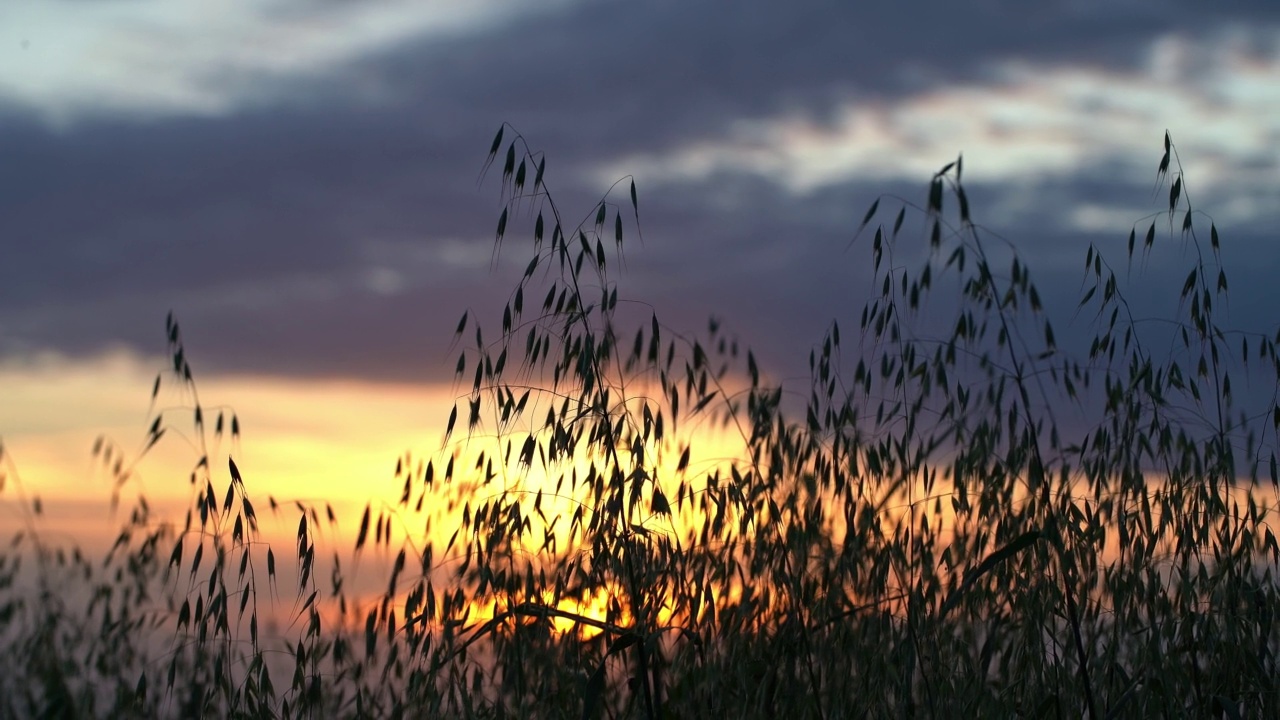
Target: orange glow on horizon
<point>313,441</point>
<point>324,444</point>
<point>336,445</point>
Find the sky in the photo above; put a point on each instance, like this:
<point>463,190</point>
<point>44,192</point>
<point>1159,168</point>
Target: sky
<point>298,181</point>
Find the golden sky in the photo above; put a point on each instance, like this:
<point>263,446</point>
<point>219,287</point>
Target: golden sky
<point>317,442</point>
<point>312,441</point>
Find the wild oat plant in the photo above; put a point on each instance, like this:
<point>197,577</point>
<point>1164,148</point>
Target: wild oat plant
<point>955,518</point>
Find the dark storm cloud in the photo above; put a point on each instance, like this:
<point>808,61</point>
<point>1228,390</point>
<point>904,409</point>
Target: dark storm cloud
<point>257,227</point>
<point>614,77</point>
<point>149,216</point>
<point>610,78</point>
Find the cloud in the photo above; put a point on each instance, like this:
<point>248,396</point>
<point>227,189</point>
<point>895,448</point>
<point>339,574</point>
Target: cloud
<point>1028,121</point>
<point>70,60</point>
<point>297,180</point>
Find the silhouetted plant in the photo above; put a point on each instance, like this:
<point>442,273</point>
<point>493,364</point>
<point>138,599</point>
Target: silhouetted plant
<point>955,517</point>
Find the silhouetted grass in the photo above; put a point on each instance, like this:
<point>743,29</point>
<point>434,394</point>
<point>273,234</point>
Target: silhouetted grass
<point>957,517</point>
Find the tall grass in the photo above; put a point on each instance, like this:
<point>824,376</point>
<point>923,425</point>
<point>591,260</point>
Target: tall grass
<point>955,517</point>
